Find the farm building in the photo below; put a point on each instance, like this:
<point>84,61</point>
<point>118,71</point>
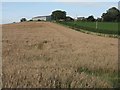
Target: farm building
<point>42,18</point>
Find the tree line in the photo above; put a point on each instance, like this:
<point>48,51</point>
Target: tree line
<point>111,15</point>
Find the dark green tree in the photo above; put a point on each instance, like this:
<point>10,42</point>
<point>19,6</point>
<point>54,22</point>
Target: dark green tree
<point>39,20</point>
<point>58,15</point>
<point>112,14</point>
<point>91,18</point>
<point>68,18</point>
<point>23,19</point>
<point>99,19</point>
<point>30,20</point>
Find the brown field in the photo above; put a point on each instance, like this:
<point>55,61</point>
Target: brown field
<point>48,55</point>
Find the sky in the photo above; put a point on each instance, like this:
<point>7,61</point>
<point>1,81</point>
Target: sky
<point>14,11</point>
<point>59,0</point>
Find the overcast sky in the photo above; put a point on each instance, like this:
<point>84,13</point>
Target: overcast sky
<point>59,0</point>
<point>14,11</point>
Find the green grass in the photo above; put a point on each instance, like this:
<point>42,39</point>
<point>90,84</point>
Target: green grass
<point>111,77</point>
<point>102,27</point>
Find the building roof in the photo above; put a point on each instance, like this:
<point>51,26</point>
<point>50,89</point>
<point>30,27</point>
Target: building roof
<point>41,16</point>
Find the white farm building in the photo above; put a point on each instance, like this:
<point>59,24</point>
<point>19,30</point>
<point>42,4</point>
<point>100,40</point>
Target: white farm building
<point>42,18</point>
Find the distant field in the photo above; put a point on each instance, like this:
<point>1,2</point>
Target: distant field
<point>102,27</point>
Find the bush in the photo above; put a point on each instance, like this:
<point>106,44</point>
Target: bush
<point>23,20</point>
<point>38,20</point>
<point>31,20</point>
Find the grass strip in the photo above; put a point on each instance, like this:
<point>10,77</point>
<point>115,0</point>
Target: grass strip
<point>111,77</point>
<point>93,31</point>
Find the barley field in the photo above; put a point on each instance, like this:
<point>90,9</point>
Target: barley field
<point>48,55</point>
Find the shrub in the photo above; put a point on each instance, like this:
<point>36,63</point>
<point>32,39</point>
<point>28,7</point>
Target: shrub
<point>23,20</point>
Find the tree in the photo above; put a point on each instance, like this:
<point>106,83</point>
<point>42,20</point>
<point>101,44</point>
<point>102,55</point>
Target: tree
<point>23,19</point>
<point>58,15</point>
<point>68,18</point>
<point>30,20</point>
<point>91,18</point>
<point>118,18</point>
<point>112,14</point>
<point>99,19</point>
<point>38,20</point>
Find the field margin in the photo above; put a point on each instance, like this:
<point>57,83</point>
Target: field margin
<point>90,32</point>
